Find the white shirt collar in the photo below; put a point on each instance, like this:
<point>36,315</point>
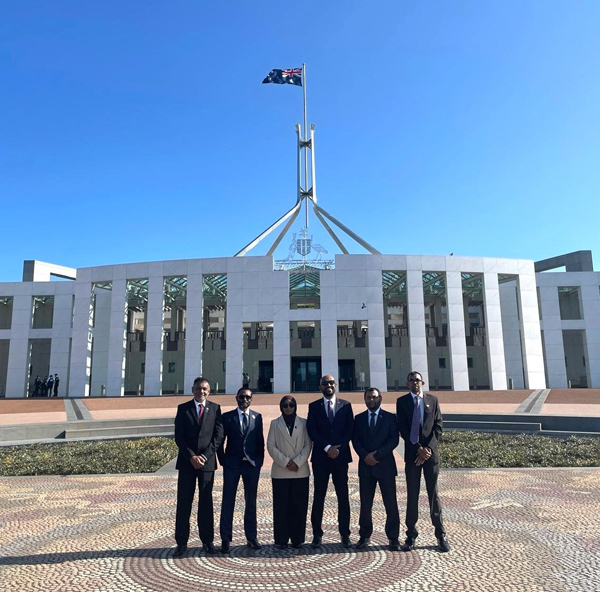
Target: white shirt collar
<point>326,401</point>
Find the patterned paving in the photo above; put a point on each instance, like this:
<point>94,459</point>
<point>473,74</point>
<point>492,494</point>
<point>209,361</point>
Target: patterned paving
<point>510,530</point>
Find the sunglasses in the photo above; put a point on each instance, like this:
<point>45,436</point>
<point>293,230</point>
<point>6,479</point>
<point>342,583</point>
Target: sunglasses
<point>244,397</point>
<point>328,382</point>
<point>288,406</point>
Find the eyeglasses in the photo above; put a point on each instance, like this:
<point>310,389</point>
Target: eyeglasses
<point>414,380</point>
<point>244,397</point>
<point>288,405</point>
<point>327,382</point>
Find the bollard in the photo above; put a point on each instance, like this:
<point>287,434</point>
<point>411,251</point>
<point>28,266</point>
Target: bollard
<point>569,384</point>
<point>139,390</point>
<point>396,385</point>
<point>216,387</point>
<point>177,389</point>
<point>103,390</point>
<point>437,386</point>
<point>510,384</point>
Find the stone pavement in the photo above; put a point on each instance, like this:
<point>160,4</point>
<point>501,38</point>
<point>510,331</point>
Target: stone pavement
<point>511,530</point>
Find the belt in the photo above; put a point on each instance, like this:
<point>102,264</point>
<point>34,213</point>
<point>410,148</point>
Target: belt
<point>244,458</point>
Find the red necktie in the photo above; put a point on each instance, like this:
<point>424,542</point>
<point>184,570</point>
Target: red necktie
<point>200,414</point>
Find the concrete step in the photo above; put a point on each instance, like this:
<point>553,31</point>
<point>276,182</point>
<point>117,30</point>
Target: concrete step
<point>499,426</point>
<point>119,431</point>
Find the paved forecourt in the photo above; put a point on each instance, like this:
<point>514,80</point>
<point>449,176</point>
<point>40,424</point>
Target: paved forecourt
<point>510,530</point>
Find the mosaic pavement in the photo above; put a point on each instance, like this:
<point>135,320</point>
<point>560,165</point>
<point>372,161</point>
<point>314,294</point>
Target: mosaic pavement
<point>513,530</point>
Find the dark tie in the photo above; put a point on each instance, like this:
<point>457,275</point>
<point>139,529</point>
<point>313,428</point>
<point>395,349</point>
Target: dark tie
<point>372,422</point>
<point>416,423</point>
<point>244,423</point>
<point>200,414</point>
<point>330,411</point>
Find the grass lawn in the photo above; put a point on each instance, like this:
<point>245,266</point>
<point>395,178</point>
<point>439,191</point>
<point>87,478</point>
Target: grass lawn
<point>146,455</point>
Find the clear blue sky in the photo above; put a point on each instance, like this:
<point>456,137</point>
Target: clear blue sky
<point>140,130</point>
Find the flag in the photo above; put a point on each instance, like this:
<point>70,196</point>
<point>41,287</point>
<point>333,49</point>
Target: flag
<point>289,76</point>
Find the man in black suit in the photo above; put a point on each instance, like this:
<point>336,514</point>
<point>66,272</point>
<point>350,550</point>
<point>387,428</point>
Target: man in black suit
<point>420,424</point>
<point>375,438</point>
<point>198,435</point>
<point>242,455</point>
<point>330,423</point>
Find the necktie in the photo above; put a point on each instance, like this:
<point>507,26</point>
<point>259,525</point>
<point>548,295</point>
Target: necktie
<point>373,420</point>
<point>200,414</point>
<point>244,423</point>
<point>416,422</point>
<point>330,411</point>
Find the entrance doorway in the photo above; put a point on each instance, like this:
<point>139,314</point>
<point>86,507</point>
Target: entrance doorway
<point>306,374</point>
<point>346,375</point>
<point>265,376</point>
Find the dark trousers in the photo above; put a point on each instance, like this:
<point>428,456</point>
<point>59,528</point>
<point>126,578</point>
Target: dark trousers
<point>367,484</point>
<point>290,507</point>
<point>231,479</point>
<point>186,487</point>
<point>413,472</point>
<point>339,475</point>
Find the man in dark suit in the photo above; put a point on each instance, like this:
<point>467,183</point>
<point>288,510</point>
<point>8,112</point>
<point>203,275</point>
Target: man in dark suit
<point>241,455</point>
<point>330,423</point>
<point>420,424</point>
<point>198,435</point>
<point>375,438</point>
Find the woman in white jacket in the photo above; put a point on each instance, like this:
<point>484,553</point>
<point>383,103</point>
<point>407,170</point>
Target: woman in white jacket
<point>289,446</point>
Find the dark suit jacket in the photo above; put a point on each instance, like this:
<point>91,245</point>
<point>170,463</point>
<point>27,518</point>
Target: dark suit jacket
<point>322,433</point>
<point>384,439</point>
<point>431,430</point>
<point>238,445</point>
<point>194,440</point>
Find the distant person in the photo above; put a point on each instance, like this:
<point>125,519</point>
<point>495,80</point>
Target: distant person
<point>37,387</point>
<point>330,424</point>
<point>420,424</point>
<point>245,380</point>
<point>289,447</point>
<point>375,439</point>
<point>50,385</point>
<point>198,435</point>
<point>56,383</point>
<point>44,387</point>
<point>242,455</point>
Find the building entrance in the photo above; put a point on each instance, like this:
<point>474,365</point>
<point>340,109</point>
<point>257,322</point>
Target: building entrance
<point>306,374</point>
<point>346,375</point>
<point>265,376</point>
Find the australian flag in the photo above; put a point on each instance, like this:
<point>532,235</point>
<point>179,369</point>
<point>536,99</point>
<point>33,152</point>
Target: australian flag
<point>289,76</point>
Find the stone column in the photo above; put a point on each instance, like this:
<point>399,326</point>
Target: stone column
<point>18,354</point>
<point>81,344</point>
<point>590,300</point>
<point>553,337</point>
<point>154,336</point>
<point>494,337</point>
<point>457,342</point>
<point>416,323</point>
<point>193,331</point>
<point>115,384</point>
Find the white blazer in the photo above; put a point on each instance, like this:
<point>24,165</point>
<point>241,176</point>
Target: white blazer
<point>282,447</point>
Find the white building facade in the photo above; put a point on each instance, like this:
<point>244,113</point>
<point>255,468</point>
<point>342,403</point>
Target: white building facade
<point>151,328</point>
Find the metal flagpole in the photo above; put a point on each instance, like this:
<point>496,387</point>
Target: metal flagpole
<point>305,139</point>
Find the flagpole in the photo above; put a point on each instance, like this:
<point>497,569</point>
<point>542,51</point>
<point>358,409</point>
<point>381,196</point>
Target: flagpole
<point>305,139</point>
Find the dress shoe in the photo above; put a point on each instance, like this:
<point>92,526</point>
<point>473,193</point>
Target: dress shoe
<point>225,547</point>
<point>346,542</point>
<point>443,545</point>
<point>281,547</point>
<point>394,545</point>
<point>409,544</point>
<point>254,544</point>
<point>363,543</point>
<point>180,550</point>
<point>316,542</point>
<point>209,548</point>
<point>297,545</point>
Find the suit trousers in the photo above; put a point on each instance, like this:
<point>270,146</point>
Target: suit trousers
<point>413,472</point>
<point>186,487</point>
<point>231,479</point>
<point>290,507</point>
<point>339,474</point>
<point>387,485</point>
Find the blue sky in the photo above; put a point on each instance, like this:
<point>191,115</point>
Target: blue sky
<point>140,130</point>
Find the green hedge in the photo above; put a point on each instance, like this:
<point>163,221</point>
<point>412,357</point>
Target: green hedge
<point>147,455</point>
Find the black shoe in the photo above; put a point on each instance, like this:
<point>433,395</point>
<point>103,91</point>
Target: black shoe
<point>296,545</point>
<point>409,544</point>
<point>363,543</point>
<point>254,544</point>
<point>209,548</point>
<point>316,542</point>
<point>443,545</point>
<point>394,545</point>
<point>180,550</point>
<point>225,547</point>
<point>281,547</point>
<point>346,542</point>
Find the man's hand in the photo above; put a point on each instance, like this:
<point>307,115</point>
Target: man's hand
<point>197,461</point>
<point>370,459</point>
<point>423,454</point>
<point>292,466</point>
<point>334,451</point>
